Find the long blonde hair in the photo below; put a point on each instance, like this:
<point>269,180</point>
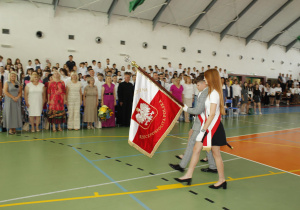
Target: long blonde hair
<point>213,79</point>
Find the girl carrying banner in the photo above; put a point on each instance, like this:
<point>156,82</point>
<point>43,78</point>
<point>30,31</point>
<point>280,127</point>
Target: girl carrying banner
<point>212,134</point>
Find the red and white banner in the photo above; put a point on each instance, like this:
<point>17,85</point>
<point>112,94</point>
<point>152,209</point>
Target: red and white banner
<point>154,113</point>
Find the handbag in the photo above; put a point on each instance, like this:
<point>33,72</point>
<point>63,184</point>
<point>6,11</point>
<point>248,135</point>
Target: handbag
<point>46,124</point>
<point>251,111</point>
<point>98,124</point>
<point>25,127</point>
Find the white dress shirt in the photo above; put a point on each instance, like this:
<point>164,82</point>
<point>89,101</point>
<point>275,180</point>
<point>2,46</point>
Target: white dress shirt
<point>236,90</point>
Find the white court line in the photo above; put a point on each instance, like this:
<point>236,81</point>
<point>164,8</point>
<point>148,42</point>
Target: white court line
<point>97,185</point>
<point>246,134</point>
<point>90,186</point>
<point>260,124</point>
<point>262,163</point>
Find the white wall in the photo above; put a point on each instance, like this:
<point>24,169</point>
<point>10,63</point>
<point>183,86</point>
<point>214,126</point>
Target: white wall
<point>24,19</point>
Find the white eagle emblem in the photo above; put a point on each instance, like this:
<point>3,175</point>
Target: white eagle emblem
<point>144,116</point>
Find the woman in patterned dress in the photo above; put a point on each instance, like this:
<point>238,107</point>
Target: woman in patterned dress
<point>56,101</point>
<point>74,99</point>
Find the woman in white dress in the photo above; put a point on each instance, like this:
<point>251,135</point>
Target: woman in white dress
<point>35,98</point>
<point>74,100</point>
<point>212,134</point>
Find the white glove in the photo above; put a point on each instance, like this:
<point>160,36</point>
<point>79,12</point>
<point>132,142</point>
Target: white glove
<point>200,136</point>
<point>185,108</point>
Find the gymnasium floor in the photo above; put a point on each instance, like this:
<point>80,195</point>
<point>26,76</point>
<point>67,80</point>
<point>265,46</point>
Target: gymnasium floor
<point>99,170</point>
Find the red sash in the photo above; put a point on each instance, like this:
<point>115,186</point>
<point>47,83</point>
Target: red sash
<point>210,131</point>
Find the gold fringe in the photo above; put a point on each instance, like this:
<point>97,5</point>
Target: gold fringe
<point>206,148</point>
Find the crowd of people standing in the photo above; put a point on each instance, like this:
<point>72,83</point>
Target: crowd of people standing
<point>71,90</point>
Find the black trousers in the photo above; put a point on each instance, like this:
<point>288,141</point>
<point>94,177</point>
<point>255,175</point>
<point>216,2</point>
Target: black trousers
<point>267,99</point>
<point>235,101</point>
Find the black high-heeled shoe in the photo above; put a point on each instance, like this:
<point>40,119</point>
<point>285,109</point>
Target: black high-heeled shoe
<point>224,185</point>
<point>177,156</point>
<point>176,167</point>
<point>189,180</point>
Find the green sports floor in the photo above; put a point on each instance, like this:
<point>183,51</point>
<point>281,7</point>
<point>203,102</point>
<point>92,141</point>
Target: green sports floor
<point>97,169</point>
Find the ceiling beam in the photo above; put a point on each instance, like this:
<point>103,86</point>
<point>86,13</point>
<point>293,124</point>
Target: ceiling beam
<point>55,3</point>
<point>281,32</point>
<point>249,38</point>
<point>290,45</point>
<point>111,8</point>
<point>196,22</point>
<point>157,16</point>
<point>227,28</point>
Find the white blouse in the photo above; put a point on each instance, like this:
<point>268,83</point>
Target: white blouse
<point>278,89</point>
<point>188,91</point>
<point>236,90</point>
<point>213,98</point>
<point>272,91</point>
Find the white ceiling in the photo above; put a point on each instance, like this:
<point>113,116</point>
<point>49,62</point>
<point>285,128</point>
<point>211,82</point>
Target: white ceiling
<point>185,12</point>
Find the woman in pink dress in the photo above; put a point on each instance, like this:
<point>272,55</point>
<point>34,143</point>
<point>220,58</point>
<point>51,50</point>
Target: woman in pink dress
<point>109,99</point>
<point>177,90</point>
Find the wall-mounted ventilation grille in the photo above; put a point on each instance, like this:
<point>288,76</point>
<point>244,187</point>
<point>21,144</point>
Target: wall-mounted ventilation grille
<point>5,31</point>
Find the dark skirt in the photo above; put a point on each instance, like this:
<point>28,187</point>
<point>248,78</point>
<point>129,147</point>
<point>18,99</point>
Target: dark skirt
<point>278,96</point>
<point>256,98</point>
<point>219,138</point>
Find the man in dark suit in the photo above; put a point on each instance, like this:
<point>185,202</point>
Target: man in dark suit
<point>125,95</point>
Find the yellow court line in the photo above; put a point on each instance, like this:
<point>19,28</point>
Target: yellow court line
<point>281,145</point>
<point>159,188</point>
<point>80,137</point>
<point>5,142</point>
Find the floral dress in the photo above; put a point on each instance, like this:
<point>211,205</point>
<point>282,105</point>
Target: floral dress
<point>56,110</point>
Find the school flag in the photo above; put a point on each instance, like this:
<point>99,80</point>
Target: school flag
<point>154,114</point>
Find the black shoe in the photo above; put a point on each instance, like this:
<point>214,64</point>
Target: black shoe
<point>176,167</point>
<point>224,185</point>
<point>209,170</point>
<point>203,160</point>
<point>189,181</point>
<point>177,156</point>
